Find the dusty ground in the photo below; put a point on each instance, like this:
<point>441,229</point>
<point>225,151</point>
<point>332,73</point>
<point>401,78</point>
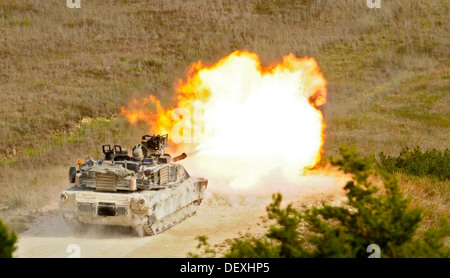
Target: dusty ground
<point>221,216</point>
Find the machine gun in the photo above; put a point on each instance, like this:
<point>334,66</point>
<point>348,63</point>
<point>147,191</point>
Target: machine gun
<point>155,143</point>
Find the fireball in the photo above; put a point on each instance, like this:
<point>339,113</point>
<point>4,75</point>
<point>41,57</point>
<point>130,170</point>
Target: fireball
<point>244,125</point>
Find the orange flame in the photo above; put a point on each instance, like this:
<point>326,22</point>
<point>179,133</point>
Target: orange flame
<point>254,120</point>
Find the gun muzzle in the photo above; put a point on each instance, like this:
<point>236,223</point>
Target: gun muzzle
<point>180,157</point>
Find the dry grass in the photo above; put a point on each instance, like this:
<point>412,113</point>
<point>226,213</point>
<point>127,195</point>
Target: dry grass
<point>431,195</point>
<point>387,69</point>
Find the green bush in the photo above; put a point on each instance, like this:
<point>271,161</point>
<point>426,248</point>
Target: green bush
<point>415,162</point>
<point>7,242</point>
<point>368,217</point>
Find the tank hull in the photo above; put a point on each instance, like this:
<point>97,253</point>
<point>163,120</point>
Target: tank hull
<point>149,212</point>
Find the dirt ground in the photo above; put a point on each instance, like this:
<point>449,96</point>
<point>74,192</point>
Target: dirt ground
<point>222,216</point>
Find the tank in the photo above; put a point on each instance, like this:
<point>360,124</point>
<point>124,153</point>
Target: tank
<point>148,191</point>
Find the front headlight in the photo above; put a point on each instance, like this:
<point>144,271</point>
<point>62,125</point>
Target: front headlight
<point>142,202</point>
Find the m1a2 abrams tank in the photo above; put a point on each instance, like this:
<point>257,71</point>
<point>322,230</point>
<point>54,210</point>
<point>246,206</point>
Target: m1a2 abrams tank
<point>146,191</point>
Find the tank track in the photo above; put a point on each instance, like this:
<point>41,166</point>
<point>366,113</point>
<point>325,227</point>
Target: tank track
<point>172,219</point>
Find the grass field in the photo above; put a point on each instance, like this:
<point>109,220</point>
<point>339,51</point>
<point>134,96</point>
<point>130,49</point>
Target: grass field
<point>65,73</point>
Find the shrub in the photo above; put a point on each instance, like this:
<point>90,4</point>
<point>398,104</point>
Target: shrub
<point>415,162</point>
<point>7,242</point>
